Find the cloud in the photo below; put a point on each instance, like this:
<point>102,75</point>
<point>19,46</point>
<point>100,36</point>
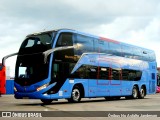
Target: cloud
<point>74,13</point>
<point>139,31</point>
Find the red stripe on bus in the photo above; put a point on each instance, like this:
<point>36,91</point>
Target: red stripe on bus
<point>109,40</point>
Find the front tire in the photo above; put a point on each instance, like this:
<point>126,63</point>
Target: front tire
<point>75,95</point>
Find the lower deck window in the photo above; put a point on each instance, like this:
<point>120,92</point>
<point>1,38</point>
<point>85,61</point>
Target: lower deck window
<point>106,73</point>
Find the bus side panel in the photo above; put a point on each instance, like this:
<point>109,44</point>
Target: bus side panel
<point>126,88</point>
<point>66,89</point>
<point>85,85</point>
<point>92,88</point>
<point>103,87</point>
<point>152,78</point>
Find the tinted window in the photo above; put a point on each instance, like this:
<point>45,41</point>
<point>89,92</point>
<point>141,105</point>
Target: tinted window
<point>103,73</point>
<point>91,72</point>
<point>153,76</point>
<point>133,75</point>
<point>80,73</point>
<point>36,43</point>
<point>137,53</point>
<point>42,39</point>
<point>96,45</point>
<point>84,43</point>
<point>65,39</point>
<point>127,51</point>
<point>151,56</point>
<point>101,46</point>
<point>60,72</point>
<point>116,74</point>
<point>106,73</point>
<point>114,49</point>
<point>86,72</point>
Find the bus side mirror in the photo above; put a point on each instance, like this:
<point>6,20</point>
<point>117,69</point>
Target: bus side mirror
<point>5,57</point>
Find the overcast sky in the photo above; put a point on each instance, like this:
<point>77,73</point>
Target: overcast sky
<point>130,21</point>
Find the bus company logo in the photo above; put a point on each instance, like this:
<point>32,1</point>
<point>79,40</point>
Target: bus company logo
<point>6,114</point>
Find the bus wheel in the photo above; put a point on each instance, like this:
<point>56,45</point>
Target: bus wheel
<point>134,92</point>
<point>45,101</point>
<point>76,95</point>
<point>142,93</point>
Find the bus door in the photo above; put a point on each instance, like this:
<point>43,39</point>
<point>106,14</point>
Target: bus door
<point>60,73</point>
<point>115,77</point>
<point>101,46</point>
<point>2,79</point>
<point>91,75</point>
<point>63,61</point>
<point>103,81</point>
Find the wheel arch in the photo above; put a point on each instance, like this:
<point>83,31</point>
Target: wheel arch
<point>80,85</point>
<point>136,85</point>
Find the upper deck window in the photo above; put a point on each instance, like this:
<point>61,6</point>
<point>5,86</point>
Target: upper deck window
<point>41,39</point>
<point>37,43</point>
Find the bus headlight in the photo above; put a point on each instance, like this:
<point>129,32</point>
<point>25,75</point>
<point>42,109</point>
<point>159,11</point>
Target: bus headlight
<point>42,87</point>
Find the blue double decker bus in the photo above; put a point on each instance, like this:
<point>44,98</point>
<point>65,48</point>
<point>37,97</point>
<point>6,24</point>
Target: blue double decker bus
<point>68,64</point>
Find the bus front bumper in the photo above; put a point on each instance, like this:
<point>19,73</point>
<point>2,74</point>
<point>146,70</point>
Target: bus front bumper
<point>39,93</point>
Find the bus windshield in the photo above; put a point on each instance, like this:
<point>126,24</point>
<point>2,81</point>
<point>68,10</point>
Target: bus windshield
<point>36,43</point>
<point>30,66</point>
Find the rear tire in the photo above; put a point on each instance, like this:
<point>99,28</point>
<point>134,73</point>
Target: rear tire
<point>142,93</point>
<point>134,92</point>
<point>76,95</point>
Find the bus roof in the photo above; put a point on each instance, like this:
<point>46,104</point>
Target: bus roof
<point>89,35</point>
